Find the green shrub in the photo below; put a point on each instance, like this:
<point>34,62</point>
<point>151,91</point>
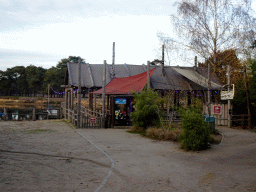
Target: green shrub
<point>146,113</point>
<point>196,134</point>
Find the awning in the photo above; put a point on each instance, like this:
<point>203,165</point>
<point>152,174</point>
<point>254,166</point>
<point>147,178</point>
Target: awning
<point>126,85</point>
<point>197,78</point>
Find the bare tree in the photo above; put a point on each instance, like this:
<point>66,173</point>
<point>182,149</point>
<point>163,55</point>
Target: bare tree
<point>209,26</point>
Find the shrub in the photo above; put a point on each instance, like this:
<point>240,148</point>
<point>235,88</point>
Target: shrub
<point>146,113</point>
<point>196,135</point>
<point>161,134</point>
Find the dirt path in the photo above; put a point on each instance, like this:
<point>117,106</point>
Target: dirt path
<point>51,156</point>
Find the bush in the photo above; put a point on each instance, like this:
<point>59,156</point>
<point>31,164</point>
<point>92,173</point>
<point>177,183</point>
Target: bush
<point>146,113</point>
<point>196,134</point>
<point>161,134</point>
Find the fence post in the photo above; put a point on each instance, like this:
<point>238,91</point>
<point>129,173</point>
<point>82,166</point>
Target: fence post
<point>34,114</point>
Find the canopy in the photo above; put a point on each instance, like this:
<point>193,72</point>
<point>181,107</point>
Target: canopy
<point>126,85</point>
<point>197,78</point>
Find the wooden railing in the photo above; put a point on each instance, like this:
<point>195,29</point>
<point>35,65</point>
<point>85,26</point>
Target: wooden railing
<point>88,118</point>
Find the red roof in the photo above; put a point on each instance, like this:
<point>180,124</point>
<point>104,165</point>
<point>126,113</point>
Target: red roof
<point>126,85</point>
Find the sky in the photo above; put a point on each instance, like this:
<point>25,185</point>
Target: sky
<point>42,32</point>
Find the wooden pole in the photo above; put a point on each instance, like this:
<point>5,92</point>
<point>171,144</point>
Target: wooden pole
<point>248,99</point>
<point>34,114</point>
<point>209,96</point>
<point>113,62</point>
<point>229,115</point>
<point>5,114</point>
<point>163,59</point>
<point>148,74</point>
<point>104,92</point>
<point>195,67</point>
<point>94,102</point>
<point>79,95</point>
<point>163,54</point>
<point>48,95</point>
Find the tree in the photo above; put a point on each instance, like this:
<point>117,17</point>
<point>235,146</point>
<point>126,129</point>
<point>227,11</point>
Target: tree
<point>207,27</point>
<point>35,77</point>
<point>55,76</point>
<point>146,113</point>
<point>13,81</point>
<point>196,133</point>
<point>19,73</point>
<point>223,59</point>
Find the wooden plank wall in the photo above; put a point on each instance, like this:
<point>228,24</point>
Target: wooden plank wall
<point>219,119</point>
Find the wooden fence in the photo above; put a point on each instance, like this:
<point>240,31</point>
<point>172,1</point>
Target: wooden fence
<point>219,119</point>
<point>88,118</point>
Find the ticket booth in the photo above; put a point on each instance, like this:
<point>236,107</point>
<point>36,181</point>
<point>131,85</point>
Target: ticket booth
<point>120,109</point>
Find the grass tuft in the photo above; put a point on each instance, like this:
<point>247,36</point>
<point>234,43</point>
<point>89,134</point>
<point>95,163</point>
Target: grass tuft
<point>162,134</point>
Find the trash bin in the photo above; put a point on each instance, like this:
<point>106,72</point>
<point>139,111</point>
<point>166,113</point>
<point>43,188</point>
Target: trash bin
<point>211,122</point>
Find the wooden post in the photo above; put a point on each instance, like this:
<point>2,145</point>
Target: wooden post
<point>94,102</point>
<point>103,93</point>
<point>163,54</point>
<point>79,95</point>
<point>163,59</point>
<point>34,114</point>
<point>247,99</point>
<point>5,114</point>
<point>107,102</point>
<point>209,96</point>
<point>91,101</point>
<point>195,67</point>
<point>48,96</point>
<point>148,74</point>
<point>113,62</point>
<point>229,115</point>
<point>168,104</point>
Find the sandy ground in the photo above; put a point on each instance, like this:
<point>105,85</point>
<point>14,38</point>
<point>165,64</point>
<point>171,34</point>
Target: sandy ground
<point>51,156</point>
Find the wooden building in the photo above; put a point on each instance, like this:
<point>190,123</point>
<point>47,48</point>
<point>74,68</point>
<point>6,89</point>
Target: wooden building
<point>182,83</point>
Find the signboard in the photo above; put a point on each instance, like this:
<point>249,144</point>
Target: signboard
<point>120,100</point>
<point>217,110</point>
<point>226,95</point>
<point>93,119</point>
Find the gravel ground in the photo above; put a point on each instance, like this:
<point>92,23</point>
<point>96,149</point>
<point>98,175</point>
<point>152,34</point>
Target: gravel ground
<point>51,156</point>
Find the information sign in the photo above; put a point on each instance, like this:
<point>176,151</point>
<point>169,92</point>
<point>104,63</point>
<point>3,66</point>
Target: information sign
<point>93,119</point>
<point>217,110</point>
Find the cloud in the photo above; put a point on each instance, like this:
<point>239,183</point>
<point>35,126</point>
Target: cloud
<point>92,37</point>
<point>11,58</point>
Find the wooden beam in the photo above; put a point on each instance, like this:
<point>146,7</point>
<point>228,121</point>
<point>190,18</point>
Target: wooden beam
<point>79,95</point>
<point>148,75</point>
<point>90,74</point>
<point>104,92</point>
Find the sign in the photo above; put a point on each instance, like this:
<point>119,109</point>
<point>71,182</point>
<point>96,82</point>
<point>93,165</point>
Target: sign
<point>217,110</point>
<point>93,119</point>
<point>120,100</point>
<point>226,95</point>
